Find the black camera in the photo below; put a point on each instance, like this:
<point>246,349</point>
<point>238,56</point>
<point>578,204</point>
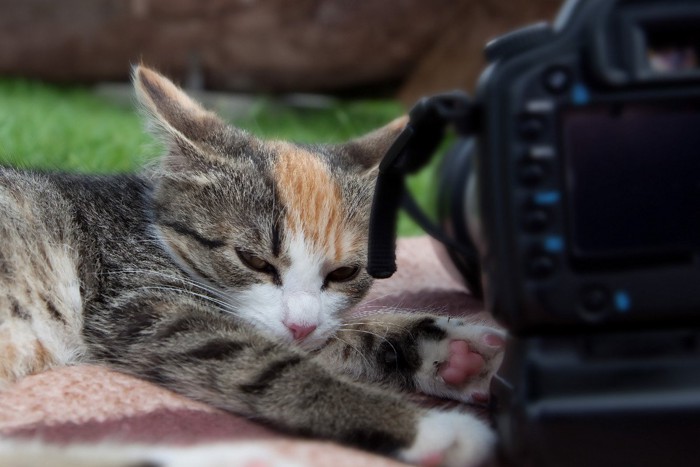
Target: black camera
<point>571,199</point>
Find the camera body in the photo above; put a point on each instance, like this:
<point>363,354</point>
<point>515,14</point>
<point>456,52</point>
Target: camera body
<point>581,194</point>
<point>587,180</point>
<point>571,198</point>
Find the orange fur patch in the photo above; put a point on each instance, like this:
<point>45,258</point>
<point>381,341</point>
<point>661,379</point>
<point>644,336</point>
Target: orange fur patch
<point>8,355</point>
<point>312,198</point>
<point>43,357</point>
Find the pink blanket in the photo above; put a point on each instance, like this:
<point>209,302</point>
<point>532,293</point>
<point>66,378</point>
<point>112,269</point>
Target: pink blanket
<point>89,404</point>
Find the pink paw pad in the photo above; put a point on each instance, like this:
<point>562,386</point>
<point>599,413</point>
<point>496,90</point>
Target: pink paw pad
<point>432,460</point>
<point>461,365</point>
<point>494,340</point>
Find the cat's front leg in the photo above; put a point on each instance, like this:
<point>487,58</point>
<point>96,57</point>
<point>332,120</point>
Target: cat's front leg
<point>208,357</point>
<point>441,356</point>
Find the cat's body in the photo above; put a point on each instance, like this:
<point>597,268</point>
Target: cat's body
<point>222,276</point>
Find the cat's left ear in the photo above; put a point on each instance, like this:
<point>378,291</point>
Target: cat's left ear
<point>368,150</point>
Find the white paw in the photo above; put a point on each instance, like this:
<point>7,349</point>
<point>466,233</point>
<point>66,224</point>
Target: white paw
<point>461,365</point>
<point>450,439</point>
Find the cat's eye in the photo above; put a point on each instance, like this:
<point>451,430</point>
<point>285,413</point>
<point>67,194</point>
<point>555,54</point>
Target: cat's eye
<point>255,262</point>
<point>343,274</point>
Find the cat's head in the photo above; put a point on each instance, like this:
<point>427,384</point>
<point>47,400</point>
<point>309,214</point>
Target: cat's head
<point>278,229</point>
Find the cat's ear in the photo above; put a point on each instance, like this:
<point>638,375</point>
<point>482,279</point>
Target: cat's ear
<point>367,151</point>
<point>171,109</point>
<point>184,125</point>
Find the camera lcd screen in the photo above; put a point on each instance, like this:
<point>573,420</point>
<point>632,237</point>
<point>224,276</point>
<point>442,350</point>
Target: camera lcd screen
<point>633,180</point>
<point>673,48</point>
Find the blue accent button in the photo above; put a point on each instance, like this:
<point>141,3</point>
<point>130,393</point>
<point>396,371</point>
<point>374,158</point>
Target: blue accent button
<point>546,198</point>
<point>580,94</point>
<point>554,244</point>
<point>622,301</point>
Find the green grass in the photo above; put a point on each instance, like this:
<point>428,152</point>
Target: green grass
<point>70,128</point>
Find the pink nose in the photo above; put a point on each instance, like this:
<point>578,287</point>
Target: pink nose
<point>300,331</point>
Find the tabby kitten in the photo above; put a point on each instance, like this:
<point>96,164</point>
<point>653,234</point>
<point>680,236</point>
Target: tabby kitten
<point>222,274</point>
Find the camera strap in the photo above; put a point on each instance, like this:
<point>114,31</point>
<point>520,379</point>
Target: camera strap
<point>410,152</point>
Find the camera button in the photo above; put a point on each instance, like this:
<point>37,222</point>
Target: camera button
<point>531,127</point>
<point>595,298</point>
<point>541,106</point>
<point>531,173</point>
<point>542,152</point>
<point>546,198</point>
<point>554,244</point>
<point>623,303</point>
<point>535,220</point>
<point>557,79</point>
<point>540,265</point>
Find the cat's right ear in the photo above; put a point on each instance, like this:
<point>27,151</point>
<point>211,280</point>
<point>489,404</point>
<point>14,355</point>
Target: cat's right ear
<point>368,151</point>
<point>184,125</point>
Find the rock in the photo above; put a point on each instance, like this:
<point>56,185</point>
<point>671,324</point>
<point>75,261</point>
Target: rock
<point>456,59</point>
<point>261,45</point>
<point>250,45</point>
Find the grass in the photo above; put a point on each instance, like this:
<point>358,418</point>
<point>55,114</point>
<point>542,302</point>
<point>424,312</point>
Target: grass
<point>70,128</point>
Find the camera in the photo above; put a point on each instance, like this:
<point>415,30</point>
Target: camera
<point>570,199</point>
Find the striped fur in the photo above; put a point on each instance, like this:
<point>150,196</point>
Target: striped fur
<point>221,275</point>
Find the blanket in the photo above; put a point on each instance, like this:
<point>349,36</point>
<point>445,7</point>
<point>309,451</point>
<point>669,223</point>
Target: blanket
<point>88,404</point>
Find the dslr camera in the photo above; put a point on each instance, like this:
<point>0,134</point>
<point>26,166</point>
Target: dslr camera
<point>570,199</point>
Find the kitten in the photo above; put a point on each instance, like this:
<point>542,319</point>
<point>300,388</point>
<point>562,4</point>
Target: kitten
<point>223,274</point>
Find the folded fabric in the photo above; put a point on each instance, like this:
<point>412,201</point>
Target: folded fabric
<point>89,404</point>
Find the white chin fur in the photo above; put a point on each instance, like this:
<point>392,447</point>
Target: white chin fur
<point>262,306</point>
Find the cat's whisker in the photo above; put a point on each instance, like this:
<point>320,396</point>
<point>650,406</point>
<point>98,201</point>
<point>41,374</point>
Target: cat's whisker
<point>184,280</point>
<point>215,293</point>
<point>374,310</point>
<point>223,306</point>
<point>383,338</point>
<point>357,351</point>
<point>380,297</point>
<point>387,324</point>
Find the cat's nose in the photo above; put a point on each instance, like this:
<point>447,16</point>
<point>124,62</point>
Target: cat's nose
<point>300,331</point>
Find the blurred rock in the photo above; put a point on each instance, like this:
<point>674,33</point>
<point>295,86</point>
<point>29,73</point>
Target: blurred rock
<point>277,45</point>
<point>254,45</point>
<point>455,58</point>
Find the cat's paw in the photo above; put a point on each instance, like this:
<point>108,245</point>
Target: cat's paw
<point>450,439</point>
<point>461,364</point>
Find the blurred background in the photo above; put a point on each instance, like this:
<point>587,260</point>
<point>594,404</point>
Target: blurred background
<point>305,70</point>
